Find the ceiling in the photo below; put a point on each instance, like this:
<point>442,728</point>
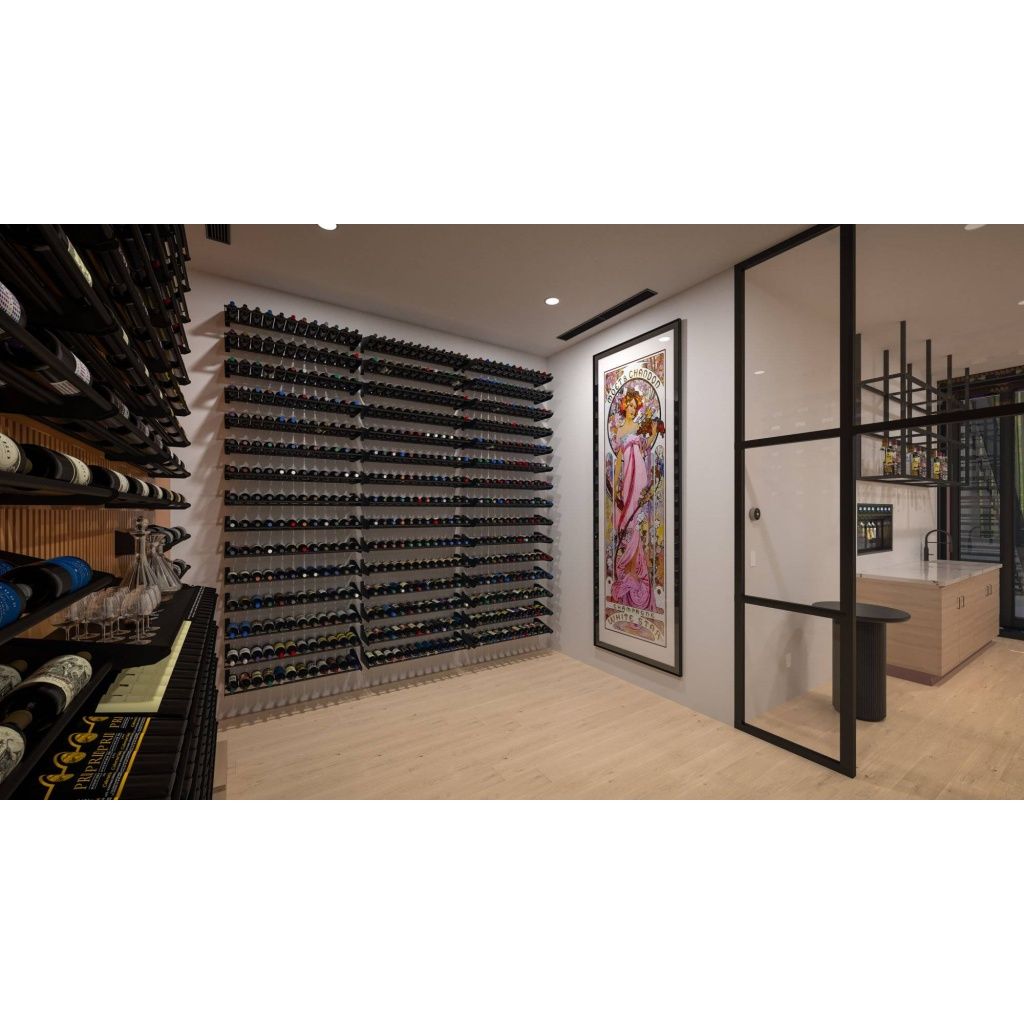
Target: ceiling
<point>484,281</point>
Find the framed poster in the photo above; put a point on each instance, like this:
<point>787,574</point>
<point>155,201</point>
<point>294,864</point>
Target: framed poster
<point>637,548</point>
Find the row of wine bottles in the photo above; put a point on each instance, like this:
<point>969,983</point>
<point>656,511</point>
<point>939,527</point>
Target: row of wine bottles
<point>453,501</point>
<point>355,476</point>
<point>323,595</point>
<point>387,523</point>
<point>357,544</point>
<point>30,702</point>
<point>914,461</point>
<point>290,648</point>
<point>460,619</point>
<point>294,450</point>
<point>293,672</point>
<point>291,350</point>
<point>65,372</point>
<point>360,568</point>
<point>289,623</point>
<point>300,327</point>
<point>50,464</point>
<point>235,420</point>
<point>33,584</point>
<point>257,627</point>
<point>171,534</point>
<point>268,320</point>
<point>355,407</point>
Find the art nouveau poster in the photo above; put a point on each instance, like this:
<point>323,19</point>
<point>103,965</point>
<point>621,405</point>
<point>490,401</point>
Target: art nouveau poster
<point>637,482</point>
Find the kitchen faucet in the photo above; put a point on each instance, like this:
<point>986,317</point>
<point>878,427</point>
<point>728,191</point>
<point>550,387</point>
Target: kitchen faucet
<point>924,552</point>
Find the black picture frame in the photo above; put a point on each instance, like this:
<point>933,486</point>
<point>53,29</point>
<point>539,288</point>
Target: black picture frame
<point>675,381</point>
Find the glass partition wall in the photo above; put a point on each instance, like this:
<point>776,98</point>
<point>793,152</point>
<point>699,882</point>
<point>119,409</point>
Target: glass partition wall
<point>866,365</point>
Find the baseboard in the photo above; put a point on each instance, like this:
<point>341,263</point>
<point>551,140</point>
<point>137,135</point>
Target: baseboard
<point>929,680</point>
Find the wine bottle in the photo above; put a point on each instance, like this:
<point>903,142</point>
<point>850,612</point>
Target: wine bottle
<point>11,676</point>
<point>56,465</point>
<point>12,741</point>
<point>61,377</point>
<point>12,456</point>
<point>47,692</point>
<point>43,582</point>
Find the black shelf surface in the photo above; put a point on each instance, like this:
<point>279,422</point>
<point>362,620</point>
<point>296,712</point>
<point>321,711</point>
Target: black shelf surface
<point>99,581</point>
<point>327,382</point>
<point>908,481</point>
<point>494,597</point>
<point>324,501</point>
<point>317,428</point>
<point>291,554</point>
<point>478,620</point>
<point>311,351</point>
<point>428,627</point>
<point>255,637</point>
<point>537,628</point>
<point>411,654</point>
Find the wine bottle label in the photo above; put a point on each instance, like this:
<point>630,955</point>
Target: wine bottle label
<point>12,749</point>
<point>10,453</point>
<point>9,679</point>
<point>72,252</point>
<point>83,475</point>
<point>9,304</point>
<point>68,673</point>
<point>12,604</point>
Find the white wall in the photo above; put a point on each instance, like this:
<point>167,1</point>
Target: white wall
<point>205,459</point>
<point>707,515</point>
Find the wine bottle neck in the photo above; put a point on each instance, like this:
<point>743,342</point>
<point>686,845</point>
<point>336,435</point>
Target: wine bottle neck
<point>21,720</point>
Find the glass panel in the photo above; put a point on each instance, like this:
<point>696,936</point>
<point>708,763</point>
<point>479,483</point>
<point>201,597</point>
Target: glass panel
<point>978,475</point>
<point>792,549</point>
<point>791,332</point>
<point>1018,516</point>
<point>789,674</point>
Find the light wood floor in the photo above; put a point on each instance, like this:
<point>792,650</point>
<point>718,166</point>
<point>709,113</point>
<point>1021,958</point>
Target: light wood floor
<point>547,726</point>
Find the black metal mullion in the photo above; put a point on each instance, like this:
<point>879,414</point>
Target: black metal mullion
<point>848,473</point>
<point>739,503</point>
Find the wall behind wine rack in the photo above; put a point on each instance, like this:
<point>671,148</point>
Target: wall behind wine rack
<point>205,488</point>
<point>85,531</point>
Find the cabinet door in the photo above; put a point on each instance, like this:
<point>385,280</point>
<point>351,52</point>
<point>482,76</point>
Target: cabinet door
<point>953,602</point>
<point>978,625</point>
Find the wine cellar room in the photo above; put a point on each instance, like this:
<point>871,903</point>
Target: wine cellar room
<point>510,511</point>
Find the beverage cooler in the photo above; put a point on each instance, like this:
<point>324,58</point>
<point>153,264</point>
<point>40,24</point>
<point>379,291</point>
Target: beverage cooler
<point>874,528</point>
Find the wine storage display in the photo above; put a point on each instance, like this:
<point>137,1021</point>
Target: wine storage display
<point>454,444</point>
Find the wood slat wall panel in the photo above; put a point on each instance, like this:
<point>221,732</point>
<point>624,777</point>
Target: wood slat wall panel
<point>84,531</point>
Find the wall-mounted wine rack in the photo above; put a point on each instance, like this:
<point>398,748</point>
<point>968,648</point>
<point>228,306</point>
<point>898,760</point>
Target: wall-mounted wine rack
<point>470,436</point>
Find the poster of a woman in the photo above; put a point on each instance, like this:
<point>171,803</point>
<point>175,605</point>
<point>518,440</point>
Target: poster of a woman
<point>635,511</point>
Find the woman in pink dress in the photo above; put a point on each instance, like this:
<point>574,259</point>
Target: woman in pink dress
<point>631,491</point>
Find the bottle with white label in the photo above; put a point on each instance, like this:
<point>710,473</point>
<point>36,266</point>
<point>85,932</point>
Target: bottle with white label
<point>12,741</point>
<point>11,676</point>
<point>12,458</point>
<point>64,372</point>
<point>47,692</point>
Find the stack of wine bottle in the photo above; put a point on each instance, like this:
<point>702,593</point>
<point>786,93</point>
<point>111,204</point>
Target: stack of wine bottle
<point>418,599</point>
<point>49,464</point>
<point>92,335</point>
<point>30,585</point>
<point>32,701</point>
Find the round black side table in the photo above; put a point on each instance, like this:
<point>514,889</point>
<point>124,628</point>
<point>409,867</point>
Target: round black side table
<point>871,622</point>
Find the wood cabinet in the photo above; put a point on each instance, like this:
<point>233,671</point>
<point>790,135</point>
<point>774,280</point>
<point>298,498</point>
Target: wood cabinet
<point>947,624</point>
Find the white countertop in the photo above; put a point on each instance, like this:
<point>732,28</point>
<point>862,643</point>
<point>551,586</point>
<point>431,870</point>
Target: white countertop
<point>942,573</point>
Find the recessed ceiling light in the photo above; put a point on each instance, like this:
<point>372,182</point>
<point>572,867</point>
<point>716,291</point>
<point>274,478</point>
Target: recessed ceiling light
<point>757,373</point>
<point>327,227</point>
<point>1021,303</point>
<point>973,227</point>
<point>551,302</point>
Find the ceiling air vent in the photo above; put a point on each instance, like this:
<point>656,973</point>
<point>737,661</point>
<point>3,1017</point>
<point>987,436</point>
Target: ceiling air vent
<point>611,311</point>
<point>219,233</point>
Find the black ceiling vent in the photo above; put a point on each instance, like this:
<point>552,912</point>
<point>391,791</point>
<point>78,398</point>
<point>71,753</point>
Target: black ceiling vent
<point>611,311</point>
<point>219,233</point>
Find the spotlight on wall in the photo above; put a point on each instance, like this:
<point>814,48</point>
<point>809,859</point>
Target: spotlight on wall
<point>973,227</point>
<point>327,227</point>
<point>551,302</point>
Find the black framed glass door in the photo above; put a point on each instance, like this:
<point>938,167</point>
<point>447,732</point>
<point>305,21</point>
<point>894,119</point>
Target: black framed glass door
<point>795,530</point>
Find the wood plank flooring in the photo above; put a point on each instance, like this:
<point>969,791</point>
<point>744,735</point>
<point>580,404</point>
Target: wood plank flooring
<point>547,726</point>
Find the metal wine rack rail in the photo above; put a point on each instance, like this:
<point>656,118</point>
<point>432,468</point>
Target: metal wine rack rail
<point>315,422</point>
